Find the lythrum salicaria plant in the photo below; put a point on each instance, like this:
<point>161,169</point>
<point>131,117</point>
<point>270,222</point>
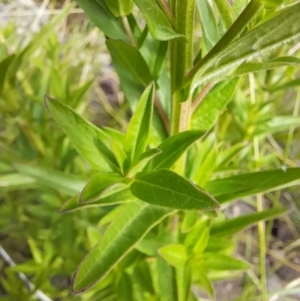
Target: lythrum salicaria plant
<point>162,197</point>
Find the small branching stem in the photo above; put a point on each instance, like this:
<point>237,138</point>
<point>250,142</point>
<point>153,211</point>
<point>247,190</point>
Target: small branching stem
<point>128,31</point>
<point>201,95</point>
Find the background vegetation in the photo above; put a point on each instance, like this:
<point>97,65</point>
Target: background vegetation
<point>60,53</point>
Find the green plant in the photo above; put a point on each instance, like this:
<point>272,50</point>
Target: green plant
<point>169,164</point>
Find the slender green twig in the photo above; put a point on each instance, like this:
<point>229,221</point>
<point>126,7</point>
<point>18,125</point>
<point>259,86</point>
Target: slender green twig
<point>292,128</point>
<point>259,204</point>
<point>128,31</point>
<point>201,95</point>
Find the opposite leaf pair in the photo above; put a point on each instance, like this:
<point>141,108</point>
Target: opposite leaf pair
<point>122,168</point>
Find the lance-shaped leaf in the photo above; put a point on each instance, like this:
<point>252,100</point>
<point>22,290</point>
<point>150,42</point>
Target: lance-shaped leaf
<point>252,44</point>
<point>17,181</point>
<point>232,33</point>
<point>4,65</point>
<point>133,223</point>
<point>128,61</point>
<point>183,282</point>
<point>99,185</point>
<point>201,276</point>
<point>210,31</point>
<point>167,188</point>
<point>158,24</point>
<point>65,183</point>
<point>136,138</point>
<point>173,147</point>
<point>120,155</point>
<point>243,185</point>
<point>219,262</point>
<point>116,197</point>
<point>132,69</point>
<point>237,224</point>
<point>119,7</point>
<point>226,12</point>
<point>271,64</point>
<point>291,84</point>
<point>213,105</point>
<point>143,159</point>
<point>101,16</point>
<point>189,221</point>
<point>91,142</point>
<point>175,254</point>
<point>163,279</point>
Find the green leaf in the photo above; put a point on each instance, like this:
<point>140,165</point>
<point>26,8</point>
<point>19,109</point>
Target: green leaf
<point>4,65</point>
<point>158,24</point>
<point>173,147</point>
<point>118,240</point>
<point>232,226</point>
<point>252,44</point>
<point>63,182</point>
<point>271,64</point>
<point>120,155</point>
<point>243,185</point>
<point>113,134</point>
<point>174,254</point>
<point>119,7</point>
<point>99,14</point>
<point>36,253</point>
<point>197,239</point>
<point>128,61</point>
<point>163,279</point>
<point>118,197</point>
<point>291,84</point>
<point>132,69</point>
<point>219,262</point>
<point>143,159</point>
<point>239,25</point>
<point>124,288</point>
<point>138,130</point>
<point>212,105</point>
<point>205,282</point>
<point>189,221</point>
<point>278,124</point>
<point>16,181</point>
<point>166,188</point>
<point>77,95</point>
<point>99,185</point>
<point>183,283</point>
<point>154,53</point>
<point>209,25</point>
<point>204,171</point>
<point>219,244</point>
<point>226,12</point>
<point>91,142</point>
<point>227,155</point>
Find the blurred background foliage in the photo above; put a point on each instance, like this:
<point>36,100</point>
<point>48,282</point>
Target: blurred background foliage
<point>56,51</point>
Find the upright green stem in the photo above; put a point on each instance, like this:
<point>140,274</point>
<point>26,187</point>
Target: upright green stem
<point>181,62</point>
<point>259,205</point>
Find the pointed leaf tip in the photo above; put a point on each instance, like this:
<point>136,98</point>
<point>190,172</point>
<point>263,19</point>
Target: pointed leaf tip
<point>168,189</point>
